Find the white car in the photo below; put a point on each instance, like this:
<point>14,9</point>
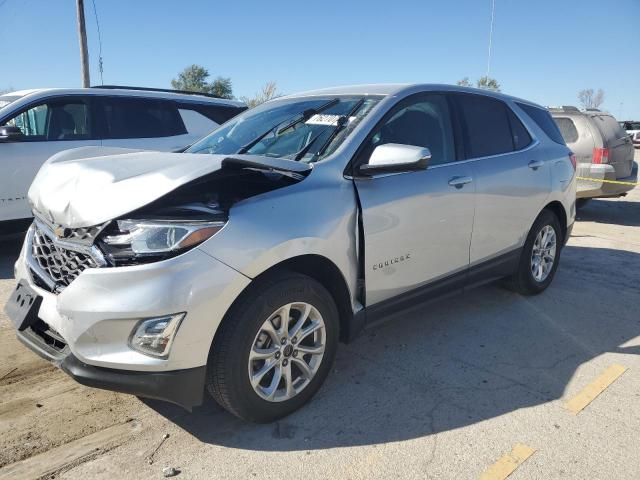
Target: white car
<point>36,124</point>
<point>633,130</point>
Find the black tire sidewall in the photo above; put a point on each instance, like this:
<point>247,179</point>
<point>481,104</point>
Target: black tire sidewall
<point>530,284</point>
<point>263,299</point>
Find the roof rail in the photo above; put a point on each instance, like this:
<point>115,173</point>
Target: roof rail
<point>150,89</point>
<point>593,110</point>
<point>570,108</point>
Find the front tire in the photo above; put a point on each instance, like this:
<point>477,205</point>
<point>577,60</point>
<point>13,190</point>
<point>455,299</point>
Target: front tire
<point>274,349</point>
<point>540,256</point>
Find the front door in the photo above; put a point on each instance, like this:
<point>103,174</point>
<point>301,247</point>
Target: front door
<point>417,225</point>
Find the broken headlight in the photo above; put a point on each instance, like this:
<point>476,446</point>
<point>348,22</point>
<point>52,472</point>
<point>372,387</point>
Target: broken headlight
<point>154,239</point>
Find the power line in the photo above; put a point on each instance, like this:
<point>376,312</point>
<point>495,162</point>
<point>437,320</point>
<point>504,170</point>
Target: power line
<point>100,66</point>
<point>493,11</point>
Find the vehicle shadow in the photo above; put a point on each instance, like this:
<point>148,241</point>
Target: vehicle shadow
<point>452,363</point>
<point>618,212</point>
<point>9,250</point>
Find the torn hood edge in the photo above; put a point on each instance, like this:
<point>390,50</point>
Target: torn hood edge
<point>89,186</point>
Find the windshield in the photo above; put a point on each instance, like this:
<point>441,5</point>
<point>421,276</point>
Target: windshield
<point>289,128</point>
<point>633,126</point>
<point>7,99</point>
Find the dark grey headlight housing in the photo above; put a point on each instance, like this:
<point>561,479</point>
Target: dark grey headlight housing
<point>132,241</point>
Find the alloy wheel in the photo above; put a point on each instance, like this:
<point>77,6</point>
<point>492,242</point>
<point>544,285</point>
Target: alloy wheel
<point>287,352</point>
<point>543,253</point>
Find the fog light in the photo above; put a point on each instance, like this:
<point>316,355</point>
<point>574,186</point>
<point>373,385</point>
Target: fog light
<point>154,336</point>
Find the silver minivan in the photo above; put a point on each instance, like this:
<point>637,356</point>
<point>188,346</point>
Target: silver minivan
<point>604,152</point>
<point>235,268</point>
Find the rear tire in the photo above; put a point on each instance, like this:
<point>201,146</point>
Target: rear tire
<point>540,256</point>
<point>253,344</point>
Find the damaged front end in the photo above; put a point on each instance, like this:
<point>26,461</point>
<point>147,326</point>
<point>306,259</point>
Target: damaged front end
<point>179,219</point>
<point>187,216</point>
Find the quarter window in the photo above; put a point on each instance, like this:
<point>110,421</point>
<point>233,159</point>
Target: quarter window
<point>487,126</point>
<point>426,122</point>
<point>55,120</point>
<point>567,129</point>
<point>521,138</point>
<point>141,118</point>
<point>543,119</point>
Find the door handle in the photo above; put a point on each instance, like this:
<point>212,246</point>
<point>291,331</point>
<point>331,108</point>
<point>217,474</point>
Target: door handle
<point>459,182</point>
<point>535,164</point>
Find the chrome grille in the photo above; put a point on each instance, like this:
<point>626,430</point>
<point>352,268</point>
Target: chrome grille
<point>58,260</point>
<point>80,235</point>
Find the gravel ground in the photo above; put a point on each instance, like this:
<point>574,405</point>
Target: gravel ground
<point>443,393</point>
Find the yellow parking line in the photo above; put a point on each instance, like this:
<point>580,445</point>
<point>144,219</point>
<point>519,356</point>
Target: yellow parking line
<point>508,464</point>
<point>595,388</point>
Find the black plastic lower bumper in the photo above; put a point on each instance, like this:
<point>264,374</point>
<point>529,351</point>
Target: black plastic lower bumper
<point>182,387</point>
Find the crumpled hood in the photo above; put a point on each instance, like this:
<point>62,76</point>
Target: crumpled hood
<point>91,185</point>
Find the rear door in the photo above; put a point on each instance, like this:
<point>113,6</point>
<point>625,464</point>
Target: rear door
<point>48,127</point>
<point>143,123</point>
<point>512,178</point>
<point>618,142</point>
<point>417,225</point>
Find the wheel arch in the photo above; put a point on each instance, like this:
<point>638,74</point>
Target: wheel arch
<point>558,210</point>
<point>325,272</point>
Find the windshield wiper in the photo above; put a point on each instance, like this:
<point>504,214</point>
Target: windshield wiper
<point>341,122</point>
<point>306,115</point>
<point>342,119</point>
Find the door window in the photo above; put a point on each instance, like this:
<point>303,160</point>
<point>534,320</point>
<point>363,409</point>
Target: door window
<point>486,120</point>
<point>216,113</point>
<point>55,120</point>
<point>423,122</point>
<point>141,118</point>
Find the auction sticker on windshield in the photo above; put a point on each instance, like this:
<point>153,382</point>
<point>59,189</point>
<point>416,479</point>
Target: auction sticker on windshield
<point>321,119</point>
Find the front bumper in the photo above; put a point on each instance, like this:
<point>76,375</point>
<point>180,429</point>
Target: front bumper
<point>94,316</point>
<point>181,387</point>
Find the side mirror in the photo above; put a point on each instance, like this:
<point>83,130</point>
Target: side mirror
<point>9,133</point>
<point>395,157</point>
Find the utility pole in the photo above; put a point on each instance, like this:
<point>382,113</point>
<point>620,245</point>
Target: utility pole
<point>493,12</point>
<point>82,37</point>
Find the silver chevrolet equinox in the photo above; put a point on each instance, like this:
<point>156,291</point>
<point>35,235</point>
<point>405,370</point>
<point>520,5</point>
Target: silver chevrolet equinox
<point>237,266</point>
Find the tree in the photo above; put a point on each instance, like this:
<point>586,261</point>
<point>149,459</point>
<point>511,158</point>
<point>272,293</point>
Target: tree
<point>6,90</point>
<point>194,79</point>
<point>488,83</point>
<point>590,99</point>
<point>221,87</point>
<point>269,90</point>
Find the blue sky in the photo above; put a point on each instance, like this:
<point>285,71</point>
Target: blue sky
<point>544,50</point>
